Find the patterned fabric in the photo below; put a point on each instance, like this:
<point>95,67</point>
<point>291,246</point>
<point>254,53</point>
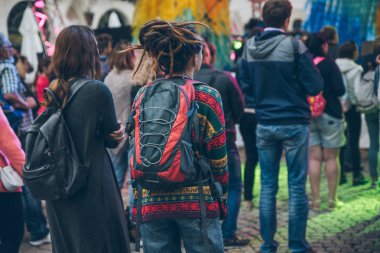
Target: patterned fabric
<point>184,202</point>
<point>9,77</point>
<point>10,83</point>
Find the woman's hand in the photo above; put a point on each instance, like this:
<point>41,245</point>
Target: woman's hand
<point>119,135</point>
<point>31,102</point>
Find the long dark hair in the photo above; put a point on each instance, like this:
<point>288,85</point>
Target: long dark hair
<point>76,55</point>
<point>315,42</point>
<point>348,49</point>
<point>170,44</point>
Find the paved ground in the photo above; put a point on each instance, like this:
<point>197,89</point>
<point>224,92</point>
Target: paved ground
<point>354,227</point>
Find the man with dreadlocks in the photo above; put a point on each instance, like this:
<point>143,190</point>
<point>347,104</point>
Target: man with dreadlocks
<point>169,214</point>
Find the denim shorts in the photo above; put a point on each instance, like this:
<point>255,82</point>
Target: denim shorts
<point>327,131</point>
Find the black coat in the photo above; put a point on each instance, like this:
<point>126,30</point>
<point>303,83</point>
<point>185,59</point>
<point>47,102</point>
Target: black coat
<point>333,87</point>
<point>93,219</point>
<point>232,98</point>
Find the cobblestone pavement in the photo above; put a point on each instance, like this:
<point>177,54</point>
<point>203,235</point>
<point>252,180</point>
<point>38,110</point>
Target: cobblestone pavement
<point>353,227</point>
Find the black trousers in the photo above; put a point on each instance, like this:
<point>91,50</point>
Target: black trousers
<point>353,133</point>
<point>11,222</point>
<point>247,128</point>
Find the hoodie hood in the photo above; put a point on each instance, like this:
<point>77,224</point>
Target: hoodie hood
<point>348,65</point>
<point>264,43</point>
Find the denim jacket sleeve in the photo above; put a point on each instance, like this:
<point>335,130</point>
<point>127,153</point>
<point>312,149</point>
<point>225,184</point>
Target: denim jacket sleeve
<point>245,80</point>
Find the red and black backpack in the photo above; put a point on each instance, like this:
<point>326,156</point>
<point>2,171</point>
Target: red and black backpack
<point>161,154</point>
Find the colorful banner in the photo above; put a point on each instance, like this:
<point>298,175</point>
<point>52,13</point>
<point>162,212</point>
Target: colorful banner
<point>354,19</point>
<point>214,13</point>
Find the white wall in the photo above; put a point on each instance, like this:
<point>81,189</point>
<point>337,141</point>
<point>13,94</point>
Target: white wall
<point>124,7</point>
<point>240,13</point>
<point>240,10</point>
<point>6,6</point>
<point>99,7</point>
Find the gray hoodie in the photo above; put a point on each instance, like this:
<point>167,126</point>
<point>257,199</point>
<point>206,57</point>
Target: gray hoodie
<point>274,83</point>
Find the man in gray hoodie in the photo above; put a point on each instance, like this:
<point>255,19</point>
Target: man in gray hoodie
<point>277,75</point>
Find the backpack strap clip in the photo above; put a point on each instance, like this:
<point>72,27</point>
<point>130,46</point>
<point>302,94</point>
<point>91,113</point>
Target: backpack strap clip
<point>53,96</point>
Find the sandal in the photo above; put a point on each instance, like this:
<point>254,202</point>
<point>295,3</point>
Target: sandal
<point>315,205</point>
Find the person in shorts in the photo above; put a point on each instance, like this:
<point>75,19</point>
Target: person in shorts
<point>326,131</point>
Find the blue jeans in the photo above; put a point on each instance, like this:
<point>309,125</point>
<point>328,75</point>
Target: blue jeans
<point>373,131</point>
<point>271,141</point>
<point>120,165</point>
<point>164,236</point>
<point>35,220</point>
<point>229,225</point>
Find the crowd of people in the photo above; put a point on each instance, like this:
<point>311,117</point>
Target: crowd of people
<point>301,98</point>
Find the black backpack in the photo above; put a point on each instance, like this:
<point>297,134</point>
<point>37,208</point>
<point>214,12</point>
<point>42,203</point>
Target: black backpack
<point>53,169</point>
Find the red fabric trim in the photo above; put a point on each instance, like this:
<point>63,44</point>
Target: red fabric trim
<point>174,173</point>
<point>137,129</point>
<point>212,102</point>
<point>223,179</point>
<point>190,90</point>
<point>178,126</point>
<point>136,173</point>
<point>177,208</point>
<point>180,121</point>
<point>217,141</point>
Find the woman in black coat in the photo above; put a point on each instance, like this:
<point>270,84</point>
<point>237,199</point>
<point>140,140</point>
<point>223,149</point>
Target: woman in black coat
<point>326,130</point>
<point>92,220</point>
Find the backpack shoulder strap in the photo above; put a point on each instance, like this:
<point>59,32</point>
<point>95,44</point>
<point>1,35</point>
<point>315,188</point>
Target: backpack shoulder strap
<point>193,114</point>
<point>76,86</point>
<point>377,80</point>
<point>295,45</point>
<point>54,97</point>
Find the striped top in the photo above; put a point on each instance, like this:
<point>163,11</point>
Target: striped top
<point>184,202</point>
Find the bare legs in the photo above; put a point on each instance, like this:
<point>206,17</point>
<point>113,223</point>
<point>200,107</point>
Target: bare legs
<point>315,164</point>
<point>329,157</point>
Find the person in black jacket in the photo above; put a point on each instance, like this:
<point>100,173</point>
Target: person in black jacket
<point>326,131</point>
<point>92,220</point>
<point>233,107</point>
